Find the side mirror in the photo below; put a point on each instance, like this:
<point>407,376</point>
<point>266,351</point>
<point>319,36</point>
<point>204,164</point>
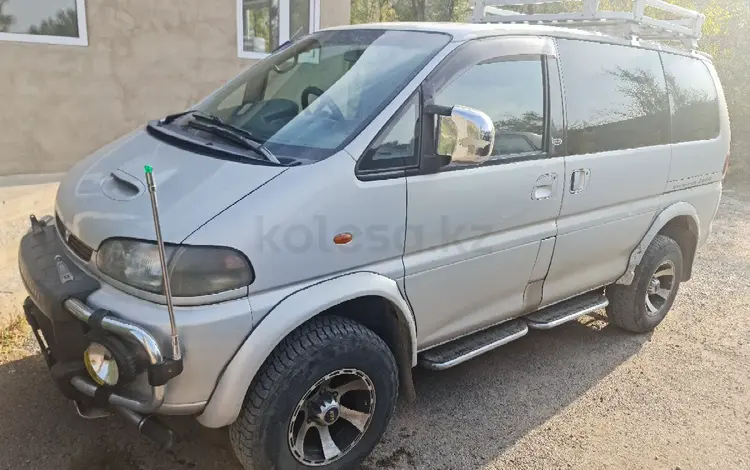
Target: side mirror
<point>467,135</point>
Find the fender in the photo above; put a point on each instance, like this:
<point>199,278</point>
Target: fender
<point>225,404</point>
<point>669,213</point>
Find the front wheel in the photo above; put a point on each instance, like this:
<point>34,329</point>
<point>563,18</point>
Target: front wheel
<point>642,305</point>
<point>322,399</point>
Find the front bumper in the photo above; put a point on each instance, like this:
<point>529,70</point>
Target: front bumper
<point>62,322</point>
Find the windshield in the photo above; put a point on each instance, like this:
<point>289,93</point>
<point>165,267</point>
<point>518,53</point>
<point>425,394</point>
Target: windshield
<point>311,98</point>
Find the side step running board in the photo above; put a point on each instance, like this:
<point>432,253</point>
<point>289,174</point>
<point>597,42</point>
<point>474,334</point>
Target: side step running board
<point>468,347</point>
<point>569,310</point>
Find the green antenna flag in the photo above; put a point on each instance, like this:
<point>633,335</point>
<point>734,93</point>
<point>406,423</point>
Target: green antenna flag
<point>148,169</point>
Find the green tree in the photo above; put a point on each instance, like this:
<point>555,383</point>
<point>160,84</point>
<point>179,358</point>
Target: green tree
<point>368,11</point>
<point>372,11</point>
<point>64,23</point>
<point>6,21</point>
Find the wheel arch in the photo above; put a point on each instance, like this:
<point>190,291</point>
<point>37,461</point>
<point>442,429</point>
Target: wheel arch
<point>678,221</point>
<point>372,293</point>
<point>686,232</point>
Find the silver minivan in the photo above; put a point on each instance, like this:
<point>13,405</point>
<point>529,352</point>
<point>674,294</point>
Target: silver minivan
<point>365,200</point>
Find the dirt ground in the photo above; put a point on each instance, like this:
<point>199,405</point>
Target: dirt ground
<point>583,396</point>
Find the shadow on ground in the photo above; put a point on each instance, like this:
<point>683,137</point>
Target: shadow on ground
<point>468,415</point>
<point>463,418</point>
<point>40,430</point>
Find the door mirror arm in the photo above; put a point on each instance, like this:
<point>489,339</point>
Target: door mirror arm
<point>433,163</point>
<point>437,110</point>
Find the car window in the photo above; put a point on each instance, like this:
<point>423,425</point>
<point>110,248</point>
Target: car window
<point>396,146</point>
<point>616,97</point>
<point>511,93</point>
<point>309,99</point>
<point>232,101</point>
<point>693,97</point>
<point>507,143</point>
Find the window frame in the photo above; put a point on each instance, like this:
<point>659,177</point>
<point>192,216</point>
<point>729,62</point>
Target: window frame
<point>672,107</point>
<point>284,25</point>
<point>497,49</point>
<point>568,151</point>
<point>81,40</point>
<point>459,60</point>
<point>398,171</point>
<point>540,154</point>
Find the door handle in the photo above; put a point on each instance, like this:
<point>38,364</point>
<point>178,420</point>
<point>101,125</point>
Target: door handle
<point>545,187</point>
<point>579,179</point>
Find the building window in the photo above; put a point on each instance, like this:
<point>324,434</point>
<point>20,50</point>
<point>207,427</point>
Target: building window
<point>44,21</point>
<point>263,25</point>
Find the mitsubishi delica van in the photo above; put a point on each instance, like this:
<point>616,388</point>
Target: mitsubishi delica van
<point>366,200</point>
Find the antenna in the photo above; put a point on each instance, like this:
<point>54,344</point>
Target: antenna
<point>685,27</point>
<point>176,352</point>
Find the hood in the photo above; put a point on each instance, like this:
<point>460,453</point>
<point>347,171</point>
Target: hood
<point>105,195</point>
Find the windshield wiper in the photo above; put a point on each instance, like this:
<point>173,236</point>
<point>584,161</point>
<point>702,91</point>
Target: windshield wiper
<point>231,133</point>
<point>172,117</point>
<point>216,126</point>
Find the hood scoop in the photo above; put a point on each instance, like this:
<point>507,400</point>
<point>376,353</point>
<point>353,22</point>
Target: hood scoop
<point>122,186</point>
<point>103,195</point>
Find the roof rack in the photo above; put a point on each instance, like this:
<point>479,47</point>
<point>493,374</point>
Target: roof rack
<point>634,24</point>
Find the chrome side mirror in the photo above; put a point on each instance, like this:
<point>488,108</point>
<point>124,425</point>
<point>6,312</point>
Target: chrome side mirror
<point>467,135</point>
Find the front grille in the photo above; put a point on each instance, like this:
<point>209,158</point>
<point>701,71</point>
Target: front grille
<point>79,248</point>
<point>60,226</point>
<point>75,244</point>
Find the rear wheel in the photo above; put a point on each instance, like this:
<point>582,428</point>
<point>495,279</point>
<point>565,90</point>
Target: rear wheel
<point>642,305</point>
<point>322,400</point>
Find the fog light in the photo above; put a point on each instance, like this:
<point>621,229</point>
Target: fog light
<point>101,364</point>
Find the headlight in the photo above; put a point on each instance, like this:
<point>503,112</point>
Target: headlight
<point>101,364</point>
<point>193,270</point>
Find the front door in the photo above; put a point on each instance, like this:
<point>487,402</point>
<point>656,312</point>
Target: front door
<point>480,238</point>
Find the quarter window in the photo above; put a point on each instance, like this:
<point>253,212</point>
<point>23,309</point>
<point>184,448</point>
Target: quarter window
<point>50,21</point>
<point>265,24</point>
<point>693,97</point>
<point>616,97</point>
<point>511,93</point>
<point>396,147</point>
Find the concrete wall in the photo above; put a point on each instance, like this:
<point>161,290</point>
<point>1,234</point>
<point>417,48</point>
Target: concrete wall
<point>145,59</point>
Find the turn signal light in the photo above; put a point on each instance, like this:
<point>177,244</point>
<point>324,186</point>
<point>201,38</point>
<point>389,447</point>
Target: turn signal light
<point>342,238</point>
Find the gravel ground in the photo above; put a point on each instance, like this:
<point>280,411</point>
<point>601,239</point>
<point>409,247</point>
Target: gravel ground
<point>16,203</point>
<point>584,395</point>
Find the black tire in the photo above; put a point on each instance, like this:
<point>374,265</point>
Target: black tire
<point>260,436</point>
<point>627,304</point>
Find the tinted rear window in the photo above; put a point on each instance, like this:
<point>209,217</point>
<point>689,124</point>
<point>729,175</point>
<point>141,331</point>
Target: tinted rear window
<point>616,97</point>
<point>694,100</point>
